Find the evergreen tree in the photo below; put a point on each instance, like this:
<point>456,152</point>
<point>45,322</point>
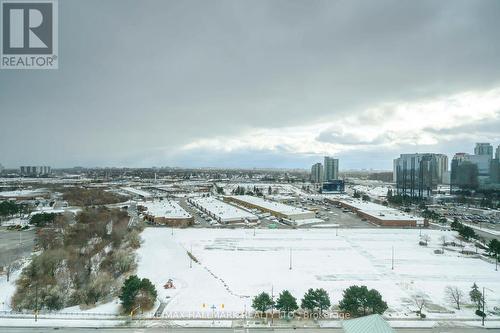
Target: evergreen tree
<point>129,291</point>
<point>475,295</point>
<point>309,301</point>
<point>286,302</point>
<point>262,302</point>
<point>322,299</point>
<point>358,301</point>
<point>137,292</point>
<point>375,302</point>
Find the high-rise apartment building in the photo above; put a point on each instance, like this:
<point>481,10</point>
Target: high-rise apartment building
<point>317,173</point>
<point>417,174</point>
<point>483,148</point>
<point>330,169</point>
<point>31,170</point>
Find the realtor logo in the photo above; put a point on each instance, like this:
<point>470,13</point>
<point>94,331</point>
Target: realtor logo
<point>29,34</point>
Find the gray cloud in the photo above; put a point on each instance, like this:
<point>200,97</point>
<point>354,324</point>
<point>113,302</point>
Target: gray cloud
<point>136,77</point>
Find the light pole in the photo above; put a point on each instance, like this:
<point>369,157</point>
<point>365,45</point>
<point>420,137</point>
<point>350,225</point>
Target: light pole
<point>272,305</point>
<point>36,301</point>
<point>484,309</point>
<point>392,267</point>
<point>213,313</point>
<point>484,313</point>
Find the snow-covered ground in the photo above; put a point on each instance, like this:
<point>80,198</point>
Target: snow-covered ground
<point>235,265</point>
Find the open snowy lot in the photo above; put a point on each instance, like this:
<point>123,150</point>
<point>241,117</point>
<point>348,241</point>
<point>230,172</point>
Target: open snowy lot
<point>235,265</point>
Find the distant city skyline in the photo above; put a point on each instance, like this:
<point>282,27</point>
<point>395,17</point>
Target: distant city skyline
<point>274,84</point>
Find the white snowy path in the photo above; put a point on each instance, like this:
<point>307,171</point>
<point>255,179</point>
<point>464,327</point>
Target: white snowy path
<point>244,265</point>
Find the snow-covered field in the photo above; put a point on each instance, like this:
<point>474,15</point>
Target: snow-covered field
<point>235,265</point>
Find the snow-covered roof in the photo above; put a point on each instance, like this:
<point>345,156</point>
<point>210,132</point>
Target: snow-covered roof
<point>165,208</point>
<point>22,193</point>
<point>271,205</point>
<point>223,211</point>
<point>379,211</point>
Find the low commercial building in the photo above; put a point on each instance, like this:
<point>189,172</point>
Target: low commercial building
<point>277,209</point>
<point>379,214</point>
<point>165,212</point>
<point>222,212</point>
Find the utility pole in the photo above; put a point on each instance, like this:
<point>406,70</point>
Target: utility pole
<point>213,314</point>
<point>337,231</point>
<point>272,306</point>
<point>484,313</point>
<point>254,231</point>
<point>172,231</point>
<point>392,258</point>
<point>290,258</point>
<point>36,301</point>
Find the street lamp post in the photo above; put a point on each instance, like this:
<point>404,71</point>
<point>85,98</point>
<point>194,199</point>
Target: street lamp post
<point>213,313</point>
<point>272,306</point>
<point>484,313</point>
<point>392,261</point>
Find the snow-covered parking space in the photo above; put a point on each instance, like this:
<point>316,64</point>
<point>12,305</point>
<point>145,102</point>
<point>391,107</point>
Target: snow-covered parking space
<point>235,265</point>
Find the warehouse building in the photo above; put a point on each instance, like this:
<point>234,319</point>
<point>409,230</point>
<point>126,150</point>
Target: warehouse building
<point>165,212</point>
<point>222,212</point>
<point>277,209</point>
<point>379,214</point>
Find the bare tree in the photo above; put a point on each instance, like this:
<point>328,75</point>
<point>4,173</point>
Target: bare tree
<point>426,238</point>
<point>443,240</point>
<point>10,264</point>
<point>454,295</point>
<point>419,302</point>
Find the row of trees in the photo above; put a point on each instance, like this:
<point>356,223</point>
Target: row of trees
<point>362,196</point>
<point>78,196</point>
<point>463,230</point>
<point>42,219</point>
<point>357,301</point>
<point>9,208</point>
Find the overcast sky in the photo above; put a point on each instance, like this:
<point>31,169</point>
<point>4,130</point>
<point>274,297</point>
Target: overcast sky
<point>257,84</point>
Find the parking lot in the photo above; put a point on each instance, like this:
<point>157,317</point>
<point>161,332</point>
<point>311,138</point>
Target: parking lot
<point>335,215</point>
<point>15,244</point>
<point>329,213</point>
